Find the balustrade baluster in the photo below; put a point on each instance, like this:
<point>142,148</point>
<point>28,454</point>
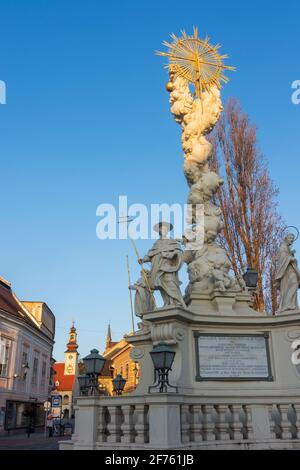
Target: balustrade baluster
<point>208,423</point>
<point>248,422</point>
<point>102,424</point>
<point>114,426</point>
<point>185,424</point>
<point>141,424</point>
<point>236,424</point>
<point>297,419</point>
<point>222,426</point>
<point>272,422</point>
<point>297,423</point>
<point>285,423</point>
<point>196,423</point>
<point>128,426</point>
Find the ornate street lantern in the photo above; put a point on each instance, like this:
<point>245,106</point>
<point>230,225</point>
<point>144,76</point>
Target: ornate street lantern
<point>93,364</point>
<point>84,382</point>
<point>118,384</point>
<point>162,357</point>
<point>251,277</point>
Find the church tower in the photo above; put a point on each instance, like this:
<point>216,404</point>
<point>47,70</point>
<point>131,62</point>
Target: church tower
<point>108,338</point>
<point>71,354</point>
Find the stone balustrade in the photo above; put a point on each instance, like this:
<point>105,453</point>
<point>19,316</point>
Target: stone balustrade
<point>123,424</point>
<point>109,422</point>
<point>177,421</point>
<point>253,424</point>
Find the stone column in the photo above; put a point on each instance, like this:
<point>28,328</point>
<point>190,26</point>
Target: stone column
<point>87,418</point>
<point>127,426</point>
<point>260,422</point>
<point>164,422</point>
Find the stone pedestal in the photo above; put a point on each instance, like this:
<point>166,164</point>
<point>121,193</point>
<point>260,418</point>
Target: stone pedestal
<point>86,426</point>
<point>164,423</point>
<point>177,327</point>
<point>205,414</point>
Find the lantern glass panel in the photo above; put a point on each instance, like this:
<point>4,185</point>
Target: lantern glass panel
<point>169,358</point>
<point>83,381</point>
<point>119,383</point>
<point>94,363</point>
<point>162,357</point>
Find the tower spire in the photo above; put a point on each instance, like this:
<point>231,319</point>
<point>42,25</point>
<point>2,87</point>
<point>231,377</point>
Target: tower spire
<point>108,337</point>
<point>72,343</point>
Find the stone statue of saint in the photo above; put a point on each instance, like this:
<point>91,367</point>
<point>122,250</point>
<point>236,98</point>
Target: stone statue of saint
<point>166,259</point>
<point>287,275</point>
<point>144,300</point>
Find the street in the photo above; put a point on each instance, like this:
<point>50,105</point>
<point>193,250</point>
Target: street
<point>36,441</point>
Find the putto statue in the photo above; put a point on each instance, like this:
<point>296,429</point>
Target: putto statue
<point>144,299</point>
<point>287,275</point>
<point>166,259</point>
<point>197,62</point>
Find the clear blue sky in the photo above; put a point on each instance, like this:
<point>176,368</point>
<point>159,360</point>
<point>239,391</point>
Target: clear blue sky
<point>87,119</point>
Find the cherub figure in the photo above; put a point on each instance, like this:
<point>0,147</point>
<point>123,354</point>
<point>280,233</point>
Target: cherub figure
<point>144,299</point>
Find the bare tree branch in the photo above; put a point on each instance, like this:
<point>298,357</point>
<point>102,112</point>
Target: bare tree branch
<point>252,226</point>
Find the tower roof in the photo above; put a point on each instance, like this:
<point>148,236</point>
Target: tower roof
<point>108,335</point>
<point>109,343</point>
<point>72,345</point>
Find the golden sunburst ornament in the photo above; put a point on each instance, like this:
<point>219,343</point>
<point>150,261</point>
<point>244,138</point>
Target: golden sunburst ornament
<point>197,61</point>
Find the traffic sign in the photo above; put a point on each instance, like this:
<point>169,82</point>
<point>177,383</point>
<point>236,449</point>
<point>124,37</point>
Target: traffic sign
<point>56,401</point>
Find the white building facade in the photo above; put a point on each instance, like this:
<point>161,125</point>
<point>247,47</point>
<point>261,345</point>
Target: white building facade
<point>26,342</point>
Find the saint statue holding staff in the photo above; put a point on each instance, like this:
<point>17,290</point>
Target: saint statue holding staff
<point>166,258</point>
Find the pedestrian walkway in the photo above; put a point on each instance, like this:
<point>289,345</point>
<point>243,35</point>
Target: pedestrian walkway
<point>36,441</point>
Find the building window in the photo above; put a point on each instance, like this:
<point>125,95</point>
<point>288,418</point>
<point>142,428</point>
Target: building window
<point>24,364</point>
<point>4,354</point>
<point>43,376</point>
<point>35,370</point>
<point>127,372</point>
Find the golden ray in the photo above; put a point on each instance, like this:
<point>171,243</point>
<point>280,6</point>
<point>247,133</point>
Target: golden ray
<point>196,60</point>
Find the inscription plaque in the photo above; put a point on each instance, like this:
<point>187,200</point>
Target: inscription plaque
<point>232,356</point>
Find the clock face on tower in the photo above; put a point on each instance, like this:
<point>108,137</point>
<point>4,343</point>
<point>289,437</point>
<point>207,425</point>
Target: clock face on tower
<point>70,364</point>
